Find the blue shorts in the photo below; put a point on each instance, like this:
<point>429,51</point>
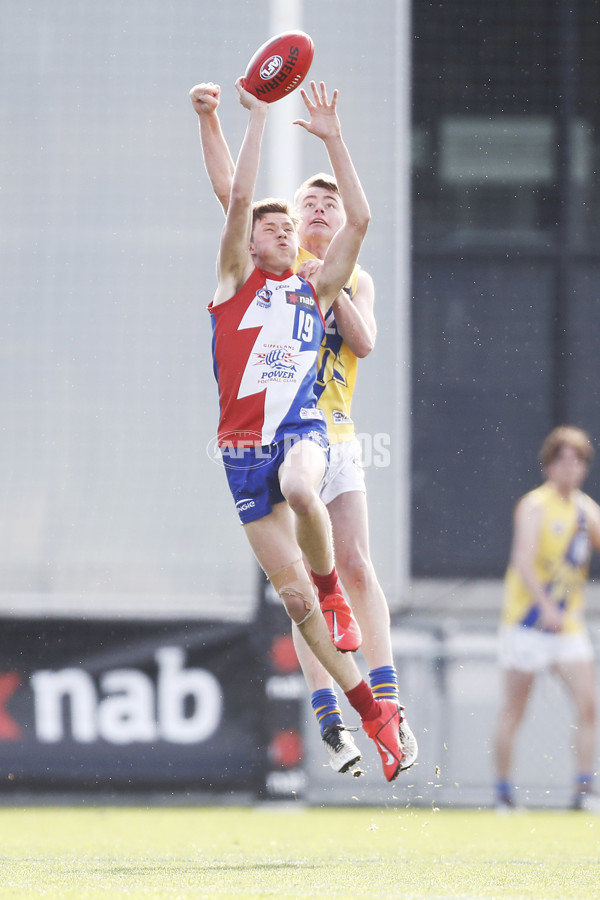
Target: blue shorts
<point>253,472</point>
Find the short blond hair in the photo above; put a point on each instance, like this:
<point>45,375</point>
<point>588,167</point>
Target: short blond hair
<point>320,180</point>
<point>566,436</point>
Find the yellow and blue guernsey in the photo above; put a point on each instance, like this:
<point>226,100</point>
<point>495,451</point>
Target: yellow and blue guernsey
<point>336,369</point>
<point>561,562</point>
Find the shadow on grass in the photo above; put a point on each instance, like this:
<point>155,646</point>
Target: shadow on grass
<point>205,867</point>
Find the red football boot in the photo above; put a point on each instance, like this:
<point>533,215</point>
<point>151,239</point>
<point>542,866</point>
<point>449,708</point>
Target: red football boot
<point>342,625</point>
<point>385,731</point>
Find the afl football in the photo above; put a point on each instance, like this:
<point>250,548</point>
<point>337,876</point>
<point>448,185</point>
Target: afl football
<point>279,66</point>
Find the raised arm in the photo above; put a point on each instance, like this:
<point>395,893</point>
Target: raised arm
<point>344,248</point>
<point>234,263</point>
<point>218,161</point>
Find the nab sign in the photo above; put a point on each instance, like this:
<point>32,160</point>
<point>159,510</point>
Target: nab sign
<point>84,703</point>
<point>184,707</point>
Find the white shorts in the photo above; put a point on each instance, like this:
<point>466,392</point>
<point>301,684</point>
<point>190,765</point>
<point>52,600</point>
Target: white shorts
<point>345,472</point>
<point>531,650</point>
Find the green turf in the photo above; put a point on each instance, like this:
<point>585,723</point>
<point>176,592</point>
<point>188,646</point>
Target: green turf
<point>296,852</point>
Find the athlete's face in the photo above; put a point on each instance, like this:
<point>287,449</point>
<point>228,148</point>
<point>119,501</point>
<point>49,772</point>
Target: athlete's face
<point>274,243</point>
<point>321,215</point>
<point>567,470</point>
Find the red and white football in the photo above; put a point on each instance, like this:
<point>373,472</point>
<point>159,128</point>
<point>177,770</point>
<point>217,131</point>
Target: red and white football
<point>279,66</point>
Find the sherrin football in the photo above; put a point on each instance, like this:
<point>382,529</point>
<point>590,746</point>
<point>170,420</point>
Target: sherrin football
<point>279,66</point>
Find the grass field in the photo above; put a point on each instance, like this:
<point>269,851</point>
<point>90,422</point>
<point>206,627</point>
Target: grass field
<point>270,851</point>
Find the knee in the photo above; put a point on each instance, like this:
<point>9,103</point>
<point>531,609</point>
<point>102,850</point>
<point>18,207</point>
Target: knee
<point>299,494</point>
<point>295,589</point>
<point>356,572</point>
<point>298,606</point>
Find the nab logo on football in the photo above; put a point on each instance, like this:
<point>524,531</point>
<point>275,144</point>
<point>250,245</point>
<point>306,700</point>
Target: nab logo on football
<point>271,67</point>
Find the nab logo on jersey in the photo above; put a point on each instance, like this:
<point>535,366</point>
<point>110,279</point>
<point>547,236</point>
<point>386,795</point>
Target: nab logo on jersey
<point>296,298</point>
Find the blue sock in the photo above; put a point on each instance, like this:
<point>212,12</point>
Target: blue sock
<point>583,782</point>
<point>384,683</point>
<point>503,789</point>
<point>325,706</point>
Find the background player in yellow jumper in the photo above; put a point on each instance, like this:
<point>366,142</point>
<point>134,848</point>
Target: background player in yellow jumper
<point>350,335</point>
<point>542,624</point>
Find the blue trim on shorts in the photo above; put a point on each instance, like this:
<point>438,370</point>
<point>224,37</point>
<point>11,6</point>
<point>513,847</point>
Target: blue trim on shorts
<point>253,472</point>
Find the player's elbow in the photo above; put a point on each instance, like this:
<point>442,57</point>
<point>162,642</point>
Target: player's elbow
<point>364,345</point>
<point>360,222</point>
<point>239,196</point>
<point>363,217</point>
<point>360,339</point>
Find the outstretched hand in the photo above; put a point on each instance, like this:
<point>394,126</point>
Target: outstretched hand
<point>205,97</point>
<point>324,122</point>
<point>248,100</point>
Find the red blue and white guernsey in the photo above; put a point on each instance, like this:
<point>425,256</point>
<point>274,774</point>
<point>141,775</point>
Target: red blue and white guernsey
<point>266,339</point>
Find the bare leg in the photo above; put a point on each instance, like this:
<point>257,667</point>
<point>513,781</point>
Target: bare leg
<point>299,476</point>
<point>340,666</point>
<point>579,680</point>
<point>349,519</point>
<point>517,689</point>
<point>275,546</point>
<point>315,675</point>
<point>273,542</point>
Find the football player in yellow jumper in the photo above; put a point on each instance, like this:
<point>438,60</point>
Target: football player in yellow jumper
<point>556,525</point>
